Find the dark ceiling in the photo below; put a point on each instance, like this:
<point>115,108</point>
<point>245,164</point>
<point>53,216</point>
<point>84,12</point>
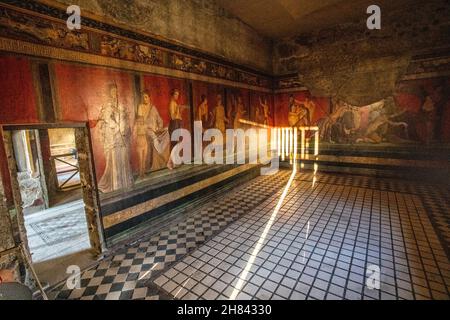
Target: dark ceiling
<point>283,18</point>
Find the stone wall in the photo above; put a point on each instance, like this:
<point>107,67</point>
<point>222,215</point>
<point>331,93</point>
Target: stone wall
<point>361,66</point>
<point>6,234</point>
<point>200,24</point>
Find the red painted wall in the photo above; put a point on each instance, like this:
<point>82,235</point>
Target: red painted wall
<point>81,92</point>
<point>235,93</point>
<point>282,107</point>
<point>160,89</point>
<point>18,104</point>
<point>409,97</point>
<point>210,90</point>
<point>254,103</point>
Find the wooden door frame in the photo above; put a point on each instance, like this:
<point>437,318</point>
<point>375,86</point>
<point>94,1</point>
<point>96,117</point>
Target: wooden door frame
<point>87,178</point>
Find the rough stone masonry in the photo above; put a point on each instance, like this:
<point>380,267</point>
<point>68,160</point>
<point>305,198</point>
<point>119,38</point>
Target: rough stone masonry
<point>351,62</point>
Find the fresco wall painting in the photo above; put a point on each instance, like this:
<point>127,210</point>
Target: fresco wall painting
<point>130,126</point>
<point>418,112</point>
<point>166,110</point>
<point>238,107</point>
<point>131,116</point>
<point>18,100</point>
<point>262,108</point>
<point>209,105</point>
<point>105,98</point>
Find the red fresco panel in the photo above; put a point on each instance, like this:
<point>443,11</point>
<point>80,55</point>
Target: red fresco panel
<point>411,96</point>
<point>82,91</point>
<point>160,89</point>
<point>209,90</point>
<point>321,110</point>
<point>18,102</point>
<point>233,95</point>
<point>255,103</point>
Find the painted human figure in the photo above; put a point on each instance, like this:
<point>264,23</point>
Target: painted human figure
<point>140,132</point>
<point>202,111</point>
<point>311,107</point>
<point>239,113</point>
<point>218,115</point>
<point>429,110</point>
<point>259,114</point>
<point>175,112</point>
<point>299,113</point>
<point>152,138</point>
<point>115,132</point>
<point>176,119</point>
<point>344,124</point>
<point>266,111</point>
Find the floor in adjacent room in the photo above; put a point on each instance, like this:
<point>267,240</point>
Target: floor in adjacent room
<point>324,241</point>
<point>57,232</point>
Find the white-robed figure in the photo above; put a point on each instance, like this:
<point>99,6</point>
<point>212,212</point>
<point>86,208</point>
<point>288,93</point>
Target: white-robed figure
<point>153,140</point>
<point>115,132</point>
<point>159,140</point>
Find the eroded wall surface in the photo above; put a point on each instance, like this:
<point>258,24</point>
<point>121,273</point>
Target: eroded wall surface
<point>362,66</point>
<point>200,24</point>
<point>6,238</point>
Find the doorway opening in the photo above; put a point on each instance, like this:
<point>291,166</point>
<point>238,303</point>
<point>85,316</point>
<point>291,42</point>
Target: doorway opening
<point>52,202</point>
<point>56,196</point>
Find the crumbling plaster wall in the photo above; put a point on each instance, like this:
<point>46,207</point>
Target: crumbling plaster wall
<point>359,65</point>
<point>200,24</point>
<point>6,234</point>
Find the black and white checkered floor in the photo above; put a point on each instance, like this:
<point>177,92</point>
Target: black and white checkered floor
<point>126,275</point>
<point>326,234</point>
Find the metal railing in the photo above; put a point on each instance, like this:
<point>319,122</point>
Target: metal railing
<point>73,168</point>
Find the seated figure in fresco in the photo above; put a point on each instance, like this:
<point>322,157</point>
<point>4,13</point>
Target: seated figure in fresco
<point>152,139</point>
<point>115,133</point>
<point>300,114</point>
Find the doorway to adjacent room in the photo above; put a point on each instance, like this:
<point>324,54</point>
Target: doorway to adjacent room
<point>55,195</point>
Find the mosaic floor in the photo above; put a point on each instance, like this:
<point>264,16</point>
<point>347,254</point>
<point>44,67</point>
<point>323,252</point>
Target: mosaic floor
<point>328,231</point>
<point>57,231</point>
